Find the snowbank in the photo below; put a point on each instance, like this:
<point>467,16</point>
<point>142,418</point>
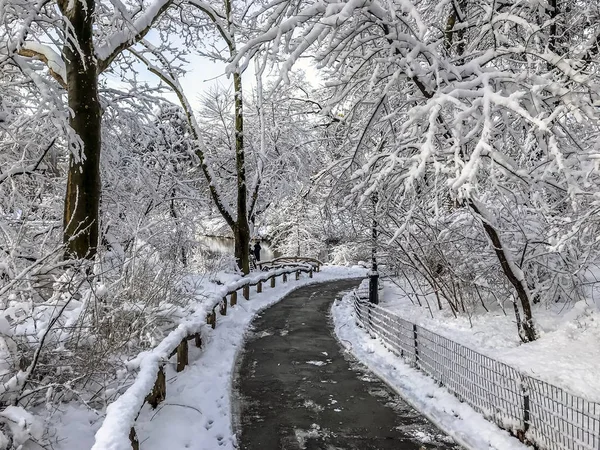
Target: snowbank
<point>569,338</point>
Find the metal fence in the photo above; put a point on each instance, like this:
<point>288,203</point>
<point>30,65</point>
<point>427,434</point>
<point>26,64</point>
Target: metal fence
<point>537,412</point>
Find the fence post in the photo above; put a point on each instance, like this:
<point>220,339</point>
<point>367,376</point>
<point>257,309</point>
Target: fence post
<point>246,292</point>
<point>223,307</point>
<point>416,344</point>
<point>135,444</point>
<point>521,434</point>
<point>310,273</point>
<point>211,319</point>
<point>198,340</point>
<point>285,277</point>
<point>297,274</point>
<point>273,281</point>
<point>233,298</point>
<point>259,287</point>
<point>158,392</point>
<point>182,355</point>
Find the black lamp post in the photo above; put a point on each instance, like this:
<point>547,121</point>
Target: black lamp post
<point>373,274</point>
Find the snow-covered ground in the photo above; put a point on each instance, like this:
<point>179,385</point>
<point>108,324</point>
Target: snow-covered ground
<point>197,411</point>
<point>567,353</point>
<point>457,419</point>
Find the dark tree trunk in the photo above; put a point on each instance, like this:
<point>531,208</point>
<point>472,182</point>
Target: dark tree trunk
<point>241,232</point>
<point>527,330</point>
<point>242,229</point>
<point>242,248</point>
<point>82,199</point>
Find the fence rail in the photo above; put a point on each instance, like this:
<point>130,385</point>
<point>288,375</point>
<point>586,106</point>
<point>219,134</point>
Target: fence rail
<point>283,261</point>
<point>118,429</point>
<point>537,412</point>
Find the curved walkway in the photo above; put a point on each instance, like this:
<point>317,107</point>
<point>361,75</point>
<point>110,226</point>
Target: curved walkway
<point>297,389</point>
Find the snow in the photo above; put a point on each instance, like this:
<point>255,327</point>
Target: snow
<point>569,337</point>
<point>23,425</point>
<point>128,34</point>
<point>50,57</point>
<point>458,420</point>
<point>197,411</point>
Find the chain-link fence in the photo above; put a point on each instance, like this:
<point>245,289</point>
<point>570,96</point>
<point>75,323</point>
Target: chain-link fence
<point>535,411</point>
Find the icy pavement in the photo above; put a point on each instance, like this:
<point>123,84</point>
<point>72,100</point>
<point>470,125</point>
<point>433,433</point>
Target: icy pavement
<point>297,389</point>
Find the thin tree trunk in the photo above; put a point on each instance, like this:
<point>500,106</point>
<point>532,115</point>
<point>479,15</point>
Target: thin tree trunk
<point>82,199</point>
<point>516,277</point>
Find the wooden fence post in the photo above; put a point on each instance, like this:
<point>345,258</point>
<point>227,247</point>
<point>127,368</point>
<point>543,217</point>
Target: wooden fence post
<point>246,292</point>
<point>211,319</point>
<point>297,274</point>
<point>157,394</point>
<point>273,281</point>
<point>310,273</point>
<point>135,444</point>
<point>285,277</point>
<point>223,307</point>
<point>233,298</point>
<point>259,287</point>
<point>198,340</point>
<point>182,355</point>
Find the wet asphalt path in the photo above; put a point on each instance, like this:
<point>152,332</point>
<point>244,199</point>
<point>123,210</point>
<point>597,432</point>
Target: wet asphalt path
<point>297,389</point>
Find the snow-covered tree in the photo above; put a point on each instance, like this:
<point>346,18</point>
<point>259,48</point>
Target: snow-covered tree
<point>472,103</point>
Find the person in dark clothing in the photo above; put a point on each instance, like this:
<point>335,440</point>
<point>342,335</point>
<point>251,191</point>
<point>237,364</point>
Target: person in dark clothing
<point>256,251</point>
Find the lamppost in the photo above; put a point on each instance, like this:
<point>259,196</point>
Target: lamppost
<point>373,274</point>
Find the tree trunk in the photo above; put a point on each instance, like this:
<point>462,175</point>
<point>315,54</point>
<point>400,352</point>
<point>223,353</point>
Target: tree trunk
<point>516,277</point>
<point>82,199</point>
<point>242,248</point>
<point>241,232</point>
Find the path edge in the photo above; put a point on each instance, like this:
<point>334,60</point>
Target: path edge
<point>438,418</point>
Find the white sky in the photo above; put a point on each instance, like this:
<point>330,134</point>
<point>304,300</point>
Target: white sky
<point>203,74</point>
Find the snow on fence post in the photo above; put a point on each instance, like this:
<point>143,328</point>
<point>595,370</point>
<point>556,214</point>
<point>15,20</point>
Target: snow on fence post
<point>159,392</point>
<point>223,307</point>
<point>182,355</point>
<point>233,298</point>
<point>416,344</point>
<point>246,292</point>
<point>273,281</point>
<point>521,434</point>
<point>259,287</point>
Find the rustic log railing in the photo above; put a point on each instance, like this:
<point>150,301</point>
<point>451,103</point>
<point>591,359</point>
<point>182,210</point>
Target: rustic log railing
<point>152,389</point>
<point>283,261</point>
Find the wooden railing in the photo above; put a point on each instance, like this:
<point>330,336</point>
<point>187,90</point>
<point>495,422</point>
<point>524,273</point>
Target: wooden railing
<point>122,414</point>
<point>283,261</point>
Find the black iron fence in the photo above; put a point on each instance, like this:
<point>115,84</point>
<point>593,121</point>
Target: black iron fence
<point>537,412</point>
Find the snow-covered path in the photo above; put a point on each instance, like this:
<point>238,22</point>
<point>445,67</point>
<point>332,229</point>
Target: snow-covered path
<point>298,390</point>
